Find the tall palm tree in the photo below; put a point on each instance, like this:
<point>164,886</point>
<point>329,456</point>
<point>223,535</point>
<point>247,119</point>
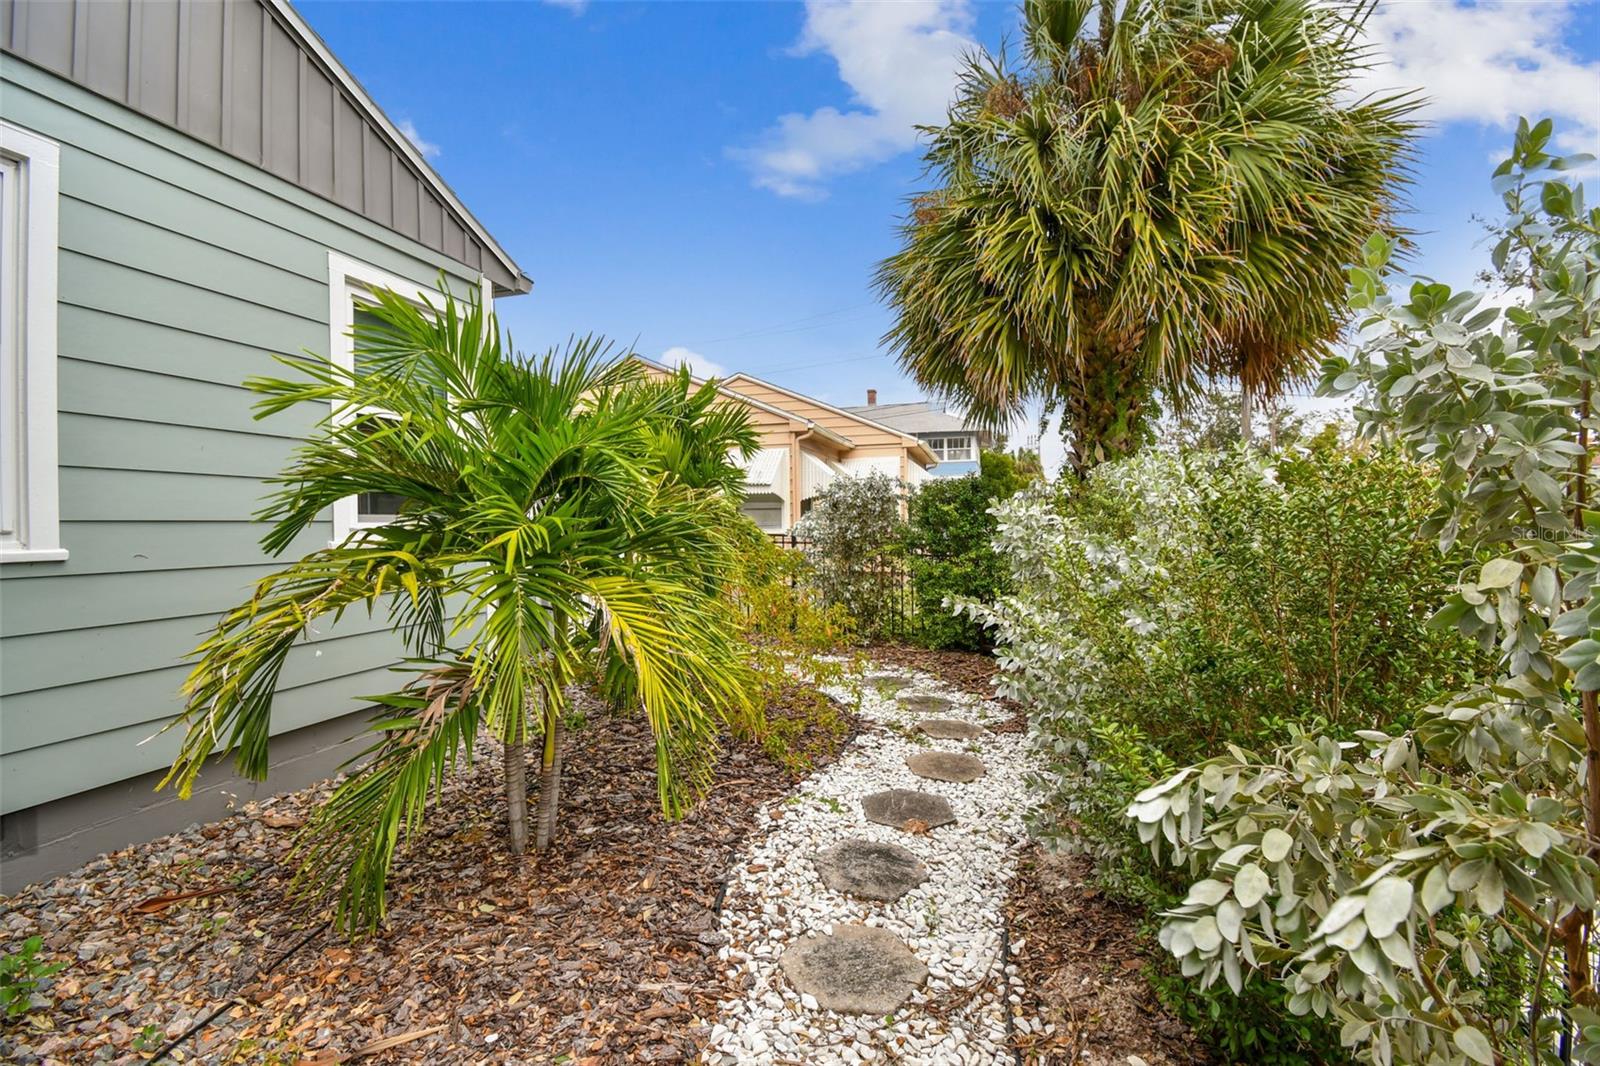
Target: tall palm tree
<point>1168,199</point>
<point>548,532</point>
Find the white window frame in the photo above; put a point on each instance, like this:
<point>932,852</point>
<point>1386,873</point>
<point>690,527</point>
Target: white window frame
<point>941,447</point>
<point>348,280</point>
<point>32,202</point>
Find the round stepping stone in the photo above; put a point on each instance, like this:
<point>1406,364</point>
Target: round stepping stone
<point>955,766</point>
<point>950,729</point>
<point>897,806</point>
<point>888,684</point>
<point>870,870</point>
<point>860,969</point>
<point>925,704</point>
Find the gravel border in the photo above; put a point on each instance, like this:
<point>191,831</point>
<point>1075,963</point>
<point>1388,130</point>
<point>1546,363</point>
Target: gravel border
<point>953,922</point>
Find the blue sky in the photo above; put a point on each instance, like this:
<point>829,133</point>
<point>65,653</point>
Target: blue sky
<point>721,178</point>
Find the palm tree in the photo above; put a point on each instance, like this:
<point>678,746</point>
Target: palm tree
<point>1170,200</point>
<point>549,532</point>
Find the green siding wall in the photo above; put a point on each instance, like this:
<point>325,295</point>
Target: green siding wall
<point>182,270</point>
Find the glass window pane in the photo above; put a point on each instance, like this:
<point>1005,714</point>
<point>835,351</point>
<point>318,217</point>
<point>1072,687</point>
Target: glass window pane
<point>378,506</point>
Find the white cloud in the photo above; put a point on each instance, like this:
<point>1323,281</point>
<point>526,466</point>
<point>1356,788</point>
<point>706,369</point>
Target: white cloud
<point>900,62</point>
<point>428,149</point>
<point>1488,63</point>
<point>577,7</point>
<point>698,365</point>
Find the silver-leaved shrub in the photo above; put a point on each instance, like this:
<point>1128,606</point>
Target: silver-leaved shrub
<point>1392,879</point>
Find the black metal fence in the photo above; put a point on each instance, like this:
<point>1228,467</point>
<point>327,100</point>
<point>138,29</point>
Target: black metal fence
<point>878,593</point>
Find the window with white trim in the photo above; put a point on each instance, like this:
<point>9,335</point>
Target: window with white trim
<point>30,518</point>
<point>351,284</point>
<point>951,449</point>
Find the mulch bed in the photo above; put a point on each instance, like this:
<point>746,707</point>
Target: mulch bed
<point>1082,961</point>
<point>603,950</point>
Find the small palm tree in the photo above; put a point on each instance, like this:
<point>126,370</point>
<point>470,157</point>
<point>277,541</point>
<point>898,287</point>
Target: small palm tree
<point>1171,199</point>
<point>561,519</point>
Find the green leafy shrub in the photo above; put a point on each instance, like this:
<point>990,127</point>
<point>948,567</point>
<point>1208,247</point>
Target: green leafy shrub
<point>1173,604</point>
<point>792,642</point>
<point>22,973</point>
<point>856,551</point>
<point>949,536</point>
<point>1432,889</point>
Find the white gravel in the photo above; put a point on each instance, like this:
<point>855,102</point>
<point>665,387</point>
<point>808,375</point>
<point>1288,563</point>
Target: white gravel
<point>952,922</point>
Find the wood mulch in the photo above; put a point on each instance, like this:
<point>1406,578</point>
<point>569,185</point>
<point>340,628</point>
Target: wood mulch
<point>1083,963</point>
<point>601,951</point>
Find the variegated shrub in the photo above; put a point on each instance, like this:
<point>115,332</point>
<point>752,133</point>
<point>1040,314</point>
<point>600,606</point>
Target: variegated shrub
<point>1400,883</point>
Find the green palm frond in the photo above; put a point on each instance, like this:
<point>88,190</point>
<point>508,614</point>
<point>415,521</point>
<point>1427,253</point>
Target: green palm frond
<point>563,516</point>
<point>1144,212</point>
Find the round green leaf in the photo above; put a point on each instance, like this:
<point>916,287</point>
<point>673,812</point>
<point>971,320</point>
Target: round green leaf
<point>1474,1045</point>
<point>1250,884</point>
<point>1388,906</point>
<point>1275,844</point>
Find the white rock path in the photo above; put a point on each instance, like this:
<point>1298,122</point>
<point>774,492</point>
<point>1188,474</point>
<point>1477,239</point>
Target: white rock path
<point>953,921</point>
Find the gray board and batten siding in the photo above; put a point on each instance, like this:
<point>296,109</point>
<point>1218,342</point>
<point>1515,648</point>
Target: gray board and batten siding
<point>184,266</point>
<point>250,78</point>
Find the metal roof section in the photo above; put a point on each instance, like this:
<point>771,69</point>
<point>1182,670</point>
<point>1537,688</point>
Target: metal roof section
<point>919,417</point>
<point>253,80</point>
<point>766,471</point>
<point>816,474</point>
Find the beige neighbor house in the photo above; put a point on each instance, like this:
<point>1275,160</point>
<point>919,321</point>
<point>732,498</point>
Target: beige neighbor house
<point>806,444</point>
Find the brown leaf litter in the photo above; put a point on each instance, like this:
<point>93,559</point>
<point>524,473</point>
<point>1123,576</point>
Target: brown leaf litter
<point>1082,960</point>
<point>602,950</point>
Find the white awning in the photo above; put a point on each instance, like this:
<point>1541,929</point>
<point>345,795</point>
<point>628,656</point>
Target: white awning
<point>767,471</point>
<point>816,474</point>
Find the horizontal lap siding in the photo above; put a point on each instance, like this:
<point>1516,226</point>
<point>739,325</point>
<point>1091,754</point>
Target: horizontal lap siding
<point>182,273</point>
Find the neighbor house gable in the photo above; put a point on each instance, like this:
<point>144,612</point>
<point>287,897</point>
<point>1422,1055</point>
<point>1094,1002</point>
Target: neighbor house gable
<point>766,416</point>
<point>868,436</point>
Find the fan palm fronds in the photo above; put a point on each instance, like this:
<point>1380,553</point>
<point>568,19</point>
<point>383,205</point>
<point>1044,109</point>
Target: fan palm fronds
<point>1169,199</point>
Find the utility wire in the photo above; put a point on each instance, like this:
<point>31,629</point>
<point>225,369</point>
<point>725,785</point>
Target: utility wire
<point>795,325</point>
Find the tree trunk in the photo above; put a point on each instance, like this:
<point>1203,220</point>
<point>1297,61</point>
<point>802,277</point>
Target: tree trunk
<point>516,763</point>
<point>1105,409</point>
<point>549,779</point>
<point>1577,929</point>
<point>1246,430</point>
<point>1108,22</point>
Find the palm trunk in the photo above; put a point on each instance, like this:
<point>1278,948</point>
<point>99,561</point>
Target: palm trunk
<point>549,780</point>
<point>1246,430</point>
<point>1106,407</point>
<point>516,763</point>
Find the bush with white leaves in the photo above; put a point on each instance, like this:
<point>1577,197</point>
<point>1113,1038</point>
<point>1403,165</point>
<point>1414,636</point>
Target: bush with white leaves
<point>1398,881</point>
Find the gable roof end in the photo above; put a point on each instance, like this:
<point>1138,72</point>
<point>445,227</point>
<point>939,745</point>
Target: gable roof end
<point>910,438</point>
<point>252,80</point>
<point>521,283</point>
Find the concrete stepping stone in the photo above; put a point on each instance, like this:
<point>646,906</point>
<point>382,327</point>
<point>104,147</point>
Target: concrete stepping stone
<point>955,766</point>
<point>950,729</point>
<point>925,704</point>
<point>898,806</point>
<point>869,869</point>
<point>887,684</point>
<point>859,969</point>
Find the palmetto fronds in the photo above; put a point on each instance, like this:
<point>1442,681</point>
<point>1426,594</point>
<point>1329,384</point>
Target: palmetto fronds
<point>1171,199</point>
<point>562,517</point>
